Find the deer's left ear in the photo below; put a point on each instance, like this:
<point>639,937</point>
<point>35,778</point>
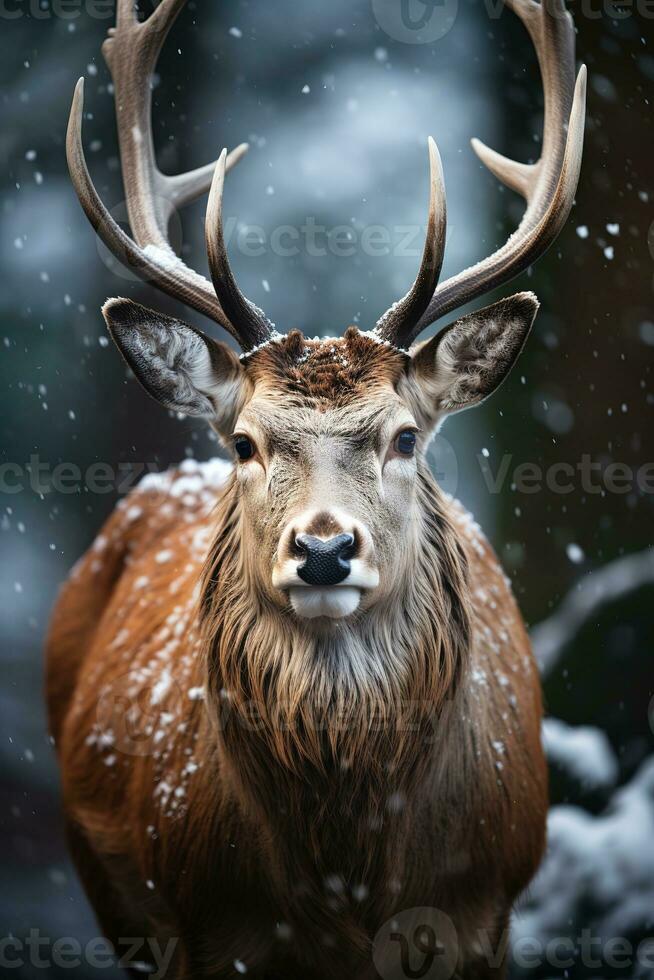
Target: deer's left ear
<point>465,363</point>
<point>178,365</point>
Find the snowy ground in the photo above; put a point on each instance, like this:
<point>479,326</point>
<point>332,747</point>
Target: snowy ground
<point>590,911</point>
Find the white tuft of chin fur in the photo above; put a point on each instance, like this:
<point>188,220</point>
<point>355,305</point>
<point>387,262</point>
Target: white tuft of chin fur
<point>334,602</point>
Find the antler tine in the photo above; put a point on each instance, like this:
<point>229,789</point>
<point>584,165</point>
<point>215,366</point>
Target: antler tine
<point>184,188</point>
<point>254,326</point>
<point>163,16</point>
<point>125,13</point>
<point>549,185</point>
<point>399,322</point>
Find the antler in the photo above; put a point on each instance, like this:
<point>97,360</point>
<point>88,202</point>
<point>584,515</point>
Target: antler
<point>131,52</point>
<point>405,314</point>
<point>548,186</point>
<point>238,308</point>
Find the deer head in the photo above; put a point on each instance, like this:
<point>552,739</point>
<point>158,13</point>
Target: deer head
<point>328,435</point>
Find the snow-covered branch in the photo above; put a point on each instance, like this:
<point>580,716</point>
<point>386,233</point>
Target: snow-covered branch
<point>607,584</point>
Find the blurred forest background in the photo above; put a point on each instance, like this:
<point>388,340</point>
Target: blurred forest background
<point>337,113</point>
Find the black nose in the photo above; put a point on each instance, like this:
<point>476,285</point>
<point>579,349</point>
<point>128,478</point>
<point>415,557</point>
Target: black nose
<point>325,562</point>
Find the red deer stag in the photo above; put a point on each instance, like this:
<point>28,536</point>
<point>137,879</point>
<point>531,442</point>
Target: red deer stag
<point>294,698</point>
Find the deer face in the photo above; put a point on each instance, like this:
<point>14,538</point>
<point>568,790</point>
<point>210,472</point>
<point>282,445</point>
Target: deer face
<point>328,439</point>
<point>326,465</point>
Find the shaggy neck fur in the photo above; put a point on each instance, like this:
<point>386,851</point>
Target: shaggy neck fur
<point>327,734</point>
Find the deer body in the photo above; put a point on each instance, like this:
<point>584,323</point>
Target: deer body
<point>291,874</point>
<point>295,709</point>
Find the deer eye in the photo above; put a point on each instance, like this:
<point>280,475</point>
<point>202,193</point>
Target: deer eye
<point>405,443</point>
<point>243,447</point>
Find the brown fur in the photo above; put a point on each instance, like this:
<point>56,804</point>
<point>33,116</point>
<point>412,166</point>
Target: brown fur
<point>324,373</point>
<point>331,776</point>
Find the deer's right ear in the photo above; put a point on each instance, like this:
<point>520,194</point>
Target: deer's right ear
<point>467,361</point>
<point>177,364</point>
